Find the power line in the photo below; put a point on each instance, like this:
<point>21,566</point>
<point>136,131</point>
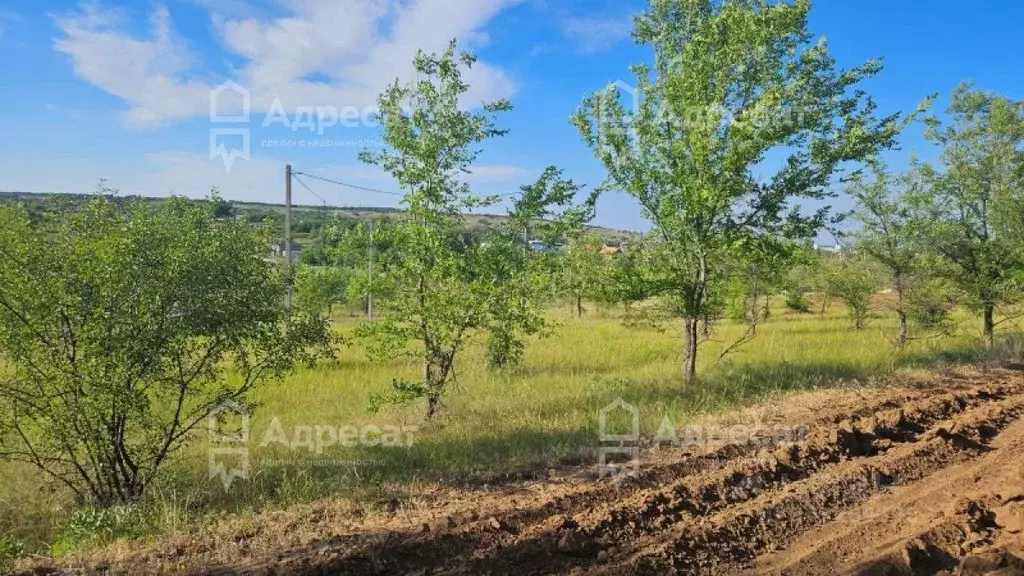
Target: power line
<point>347,185</point>
<point>304,185</point>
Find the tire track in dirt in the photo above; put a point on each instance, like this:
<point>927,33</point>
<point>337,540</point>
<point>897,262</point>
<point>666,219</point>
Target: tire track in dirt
<point>737,536</point>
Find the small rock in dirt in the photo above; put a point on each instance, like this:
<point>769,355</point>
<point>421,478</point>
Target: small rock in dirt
<point>565,523</point>
<point>495,524</point>
<point>846,438</point>
<point>602,556</point>
<point>576,543</point>
<point>1011,517</point>
<point>997,562</point>
<point>426,528</point>
<point>1014,496</point>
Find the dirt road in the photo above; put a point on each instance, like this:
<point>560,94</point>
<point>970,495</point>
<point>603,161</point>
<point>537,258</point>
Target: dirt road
<point>919,478</point>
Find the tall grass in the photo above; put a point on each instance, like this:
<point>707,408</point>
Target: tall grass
<point>543,412</point>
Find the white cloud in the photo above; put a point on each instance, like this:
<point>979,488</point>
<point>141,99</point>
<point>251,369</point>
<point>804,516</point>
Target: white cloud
<point>357,45</point>
<point>594,34</point>
<point>145,73</point>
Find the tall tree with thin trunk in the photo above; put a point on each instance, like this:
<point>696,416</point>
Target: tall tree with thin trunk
<point>545,211</point>
<point>973,206</point>
<point>733,83</point>
<point>582,267</point>
<point>889,235</point>
<point>440,299</point>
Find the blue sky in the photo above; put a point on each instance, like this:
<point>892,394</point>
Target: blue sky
<point>120,90</point>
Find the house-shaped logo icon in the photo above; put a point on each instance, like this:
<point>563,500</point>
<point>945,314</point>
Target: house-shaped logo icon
<point>630,411</point>
<point>224,411</point>
<point>230,113</point>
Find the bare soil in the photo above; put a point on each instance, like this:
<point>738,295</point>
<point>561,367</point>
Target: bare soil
<point>922,477</point>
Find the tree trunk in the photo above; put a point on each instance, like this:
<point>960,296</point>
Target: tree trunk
<point>990,326</point>
<point>433,398</point>
<point>579,307</point>
<point>432,401</point>
<point>901,339</point>
<point>690,350</point>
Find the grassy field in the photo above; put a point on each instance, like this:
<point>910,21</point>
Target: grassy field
<point>544,412</point>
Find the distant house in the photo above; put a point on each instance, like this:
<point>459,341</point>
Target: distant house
<point>278,249</point>
<point>608,250</point>
<point>541,246</point>
<point>831,248</point>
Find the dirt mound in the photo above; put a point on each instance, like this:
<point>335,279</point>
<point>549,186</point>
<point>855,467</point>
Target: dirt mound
<point>923,478</point>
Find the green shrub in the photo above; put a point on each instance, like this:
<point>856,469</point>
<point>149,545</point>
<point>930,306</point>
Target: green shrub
<point>10,550</point>
<point>797,302</point>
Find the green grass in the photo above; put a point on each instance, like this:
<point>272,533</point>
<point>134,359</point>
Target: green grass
<point>535,415</point>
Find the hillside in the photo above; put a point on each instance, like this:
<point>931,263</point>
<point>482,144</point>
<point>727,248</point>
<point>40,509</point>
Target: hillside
<point>306,218</point>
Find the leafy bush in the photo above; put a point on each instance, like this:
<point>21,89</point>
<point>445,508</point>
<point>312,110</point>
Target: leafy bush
<point>10,550</point>
<point>797,301</point>
<point>854,283</point>
<point>118,323</point>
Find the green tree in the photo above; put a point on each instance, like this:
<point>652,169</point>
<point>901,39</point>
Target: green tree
<point>733,82</point>
<point>118,325</point>
<point>802,277</point>
<point>440,297</point>
<point>360,251</point>
<point>627,278</point>
<point>760,272</point>
<point>582,270</point>
<point>890,237</point>
<point>972,208</point>
<point>854,281</point>
<point>521,276</point>
<point>319,288</point>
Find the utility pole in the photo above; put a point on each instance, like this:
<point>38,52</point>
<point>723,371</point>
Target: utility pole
<point>288,231</point>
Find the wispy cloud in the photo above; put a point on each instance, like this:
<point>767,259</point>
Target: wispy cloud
<point>147,73</point>
<point>594,34</point>
<point>358,46</point>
